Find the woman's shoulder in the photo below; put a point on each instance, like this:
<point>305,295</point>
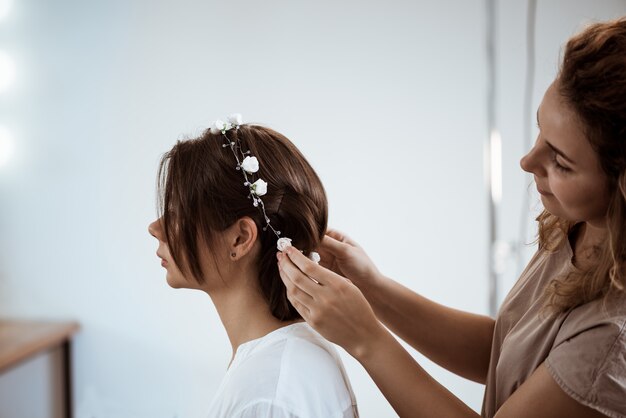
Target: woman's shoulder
<point>588,357</point>
<point>305,342</point>
<point>604,316</point>
<point>292,369</point>
<point>313,374</point>
<point>308,373</point>
<point>293,341</point>
<point>296,355</point>
<point>306,353</point>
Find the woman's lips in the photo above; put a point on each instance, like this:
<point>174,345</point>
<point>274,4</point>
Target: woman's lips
<point>163,261</point>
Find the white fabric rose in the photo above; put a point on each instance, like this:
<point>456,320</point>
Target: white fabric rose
<point>250,164</point>
<point>283,243</point>
<point>315,257</point>
<point>217,127</point>
<point>235,119</point>
<point>259,187</point>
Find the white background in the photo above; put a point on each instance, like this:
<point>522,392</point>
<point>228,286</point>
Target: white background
<point>386,99</point>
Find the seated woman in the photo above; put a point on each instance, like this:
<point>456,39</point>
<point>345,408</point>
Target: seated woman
<point>226,199</point>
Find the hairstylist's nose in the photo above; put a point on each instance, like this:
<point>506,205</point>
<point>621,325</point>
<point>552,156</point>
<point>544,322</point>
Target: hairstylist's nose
<point>523,163</point>
<point>528,161</point>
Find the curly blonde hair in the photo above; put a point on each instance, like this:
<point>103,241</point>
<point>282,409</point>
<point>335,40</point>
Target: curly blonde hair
<point>592,80</point>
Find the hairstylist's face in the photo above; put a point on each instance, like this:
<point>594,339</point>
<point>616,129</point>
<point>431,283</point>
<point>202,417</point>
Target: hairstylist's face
<point>566,168</point>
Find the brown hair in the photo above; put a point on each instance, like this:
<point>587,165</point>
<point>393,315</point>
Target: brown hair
<point>200,192</point>
<point>592,80</point>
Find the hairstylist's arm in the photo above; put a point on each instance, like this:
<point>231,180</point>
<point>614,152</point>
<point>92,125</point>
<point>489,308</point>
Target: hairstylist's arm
<point>456,340</point>
<point>353,325</point>
<point>409,389</point>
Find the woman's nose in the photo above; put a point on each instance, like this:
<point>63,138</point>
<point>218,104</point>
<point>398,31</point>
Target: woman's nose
<point>154,229</point>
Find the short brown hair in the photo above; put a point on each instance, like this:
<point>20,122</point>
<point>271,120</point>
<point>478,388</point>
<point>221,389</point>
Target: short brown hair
<point>592,80</point>
<point>200,192</point>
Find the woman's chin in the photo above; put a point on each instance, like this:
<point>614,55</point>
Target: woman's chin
<point>173,282</point>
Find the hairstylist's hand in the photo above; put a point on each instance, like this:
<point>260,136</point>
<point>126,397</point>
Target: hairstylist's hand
<point>344,256</point>
<point>332,305</point>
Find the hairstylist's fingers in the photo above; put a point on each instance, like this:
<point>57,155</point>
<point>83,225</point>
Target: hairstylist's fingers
<point>293,291</point>
<point>297,297</point>
<point>305,282</point>
<point>312,270</point>
<point>341,237</point>
<point>301,262</point>
<point>302,309</point>
<point>333,246</point>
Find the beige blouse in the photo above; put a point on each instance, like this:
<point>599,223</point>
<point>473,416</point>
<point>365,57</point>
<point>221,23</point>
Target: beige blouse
<point>584,349</point>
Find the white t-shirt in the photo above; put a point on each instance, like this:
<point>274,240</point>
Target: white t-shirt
<point>292,372</point>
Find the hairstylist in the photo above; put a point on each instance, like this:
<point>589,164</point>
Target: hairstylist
<point>558,345</point>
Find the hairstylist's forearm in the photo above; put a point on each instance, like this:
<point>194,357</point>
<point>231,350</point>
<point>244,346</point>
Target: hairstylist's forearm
<point>456,340</point>
<point>409,389</point>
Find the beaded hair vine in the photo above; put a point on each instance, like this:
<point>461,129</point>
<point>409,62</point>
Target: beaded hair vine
<point>248,165</point>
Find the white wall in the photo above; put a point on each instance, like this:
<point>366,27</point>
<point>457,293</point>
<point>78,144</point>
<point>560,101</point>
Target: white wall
<point>386,99</point>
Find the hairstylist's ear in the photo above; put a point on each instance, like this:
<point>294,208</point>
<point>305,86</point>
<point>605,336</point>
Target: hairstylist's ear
<point>241,237</point>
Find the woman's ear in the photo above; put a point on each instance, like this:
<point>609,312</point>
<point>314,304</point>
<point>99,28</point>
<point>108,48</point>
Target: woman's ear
<point>241,237</point>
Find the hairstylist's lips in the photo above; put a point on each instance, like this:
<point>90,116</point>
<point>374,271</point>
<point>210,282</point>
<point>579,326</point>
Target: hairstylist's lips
<point>540,189</point>
<point>543,192</point>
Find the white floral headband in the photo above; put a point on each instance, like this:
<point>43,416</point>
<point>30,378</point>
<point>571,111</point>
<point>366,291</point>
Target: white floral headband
<point>250,165</point>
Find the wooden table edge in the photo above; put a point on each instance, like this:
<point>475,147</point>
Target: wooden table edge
<point>55,334</point>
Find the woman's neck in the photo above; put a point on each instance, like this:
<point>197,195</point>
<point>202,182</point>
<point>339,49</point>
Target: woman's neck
<point>244,313</point>
<point>586,242</point>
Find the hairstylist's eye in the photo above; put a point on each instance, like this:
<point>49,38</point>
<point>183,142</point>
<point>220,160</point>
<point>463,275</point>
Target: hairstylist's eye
<point>558,166</point>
